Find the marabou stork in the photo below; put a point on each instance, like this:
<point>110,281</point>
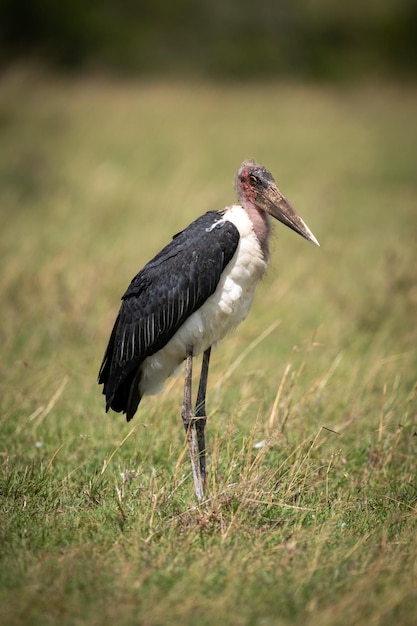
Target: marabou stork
<point>198,288</point>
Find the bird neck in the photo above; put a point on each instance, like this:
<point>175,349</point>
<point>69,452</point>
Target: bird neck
<point>261,226</point>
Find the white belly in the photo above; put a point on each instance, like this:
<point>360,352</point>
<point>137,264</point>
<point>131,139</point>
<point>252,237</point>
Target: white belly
<point>220,313</point>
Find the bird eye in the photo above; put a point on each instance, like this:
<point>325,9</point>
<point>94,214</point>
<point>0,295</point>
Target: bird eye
<point>254,180</point>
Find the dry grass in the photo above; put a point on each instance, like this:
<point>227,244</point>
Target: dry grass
<point>310,514</point>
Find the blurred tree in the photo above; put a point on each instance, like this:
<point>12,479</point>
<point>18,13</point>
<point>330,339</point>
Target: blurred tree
<point>312,38</point>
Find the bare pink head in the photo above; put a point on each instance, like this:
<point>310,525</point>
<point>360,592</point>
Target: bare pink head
<point>257,189</point>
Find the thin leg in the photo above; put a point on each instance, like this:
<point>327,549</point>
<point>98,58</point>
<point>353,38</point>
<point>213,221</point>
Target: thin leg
<point>187,419</point>
<point>201,416</point>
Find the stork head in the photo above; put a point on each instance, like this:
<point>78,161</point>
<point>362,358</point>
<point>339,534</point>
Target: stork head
<point>255,186</point>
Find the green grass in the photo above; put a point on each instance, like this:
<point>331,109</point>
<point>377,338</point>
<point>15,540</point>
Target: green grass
<point>99,524</point>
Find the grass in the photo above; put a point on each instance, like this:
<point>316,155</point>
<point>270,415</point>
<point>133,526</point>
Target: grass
<point>98,519</point>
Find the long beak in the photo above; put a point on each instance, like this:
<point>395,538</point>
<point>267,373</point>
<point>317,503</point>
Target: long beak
<point>276,204</point>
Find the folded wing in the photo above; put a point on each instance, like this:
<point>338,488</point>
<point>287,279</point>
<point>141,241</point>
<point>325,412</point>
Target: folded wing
<point>172,286</point>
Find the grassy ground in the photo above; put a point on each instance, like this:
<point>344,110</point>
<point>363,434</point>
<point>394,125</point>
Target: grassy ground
<point>98,522</point>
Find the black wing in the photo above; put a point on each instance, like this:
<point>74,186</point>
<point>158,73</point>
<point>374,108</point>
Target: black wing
<point>174,284</point>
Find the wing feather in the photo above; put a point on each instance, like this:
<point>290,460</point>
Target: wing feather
<point>172,286</point>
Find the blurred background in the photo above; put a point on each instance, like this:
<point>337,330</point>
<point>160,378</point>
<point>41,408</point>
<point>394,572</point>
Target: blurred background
<point>314,39</point>
<point>121,121</point>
